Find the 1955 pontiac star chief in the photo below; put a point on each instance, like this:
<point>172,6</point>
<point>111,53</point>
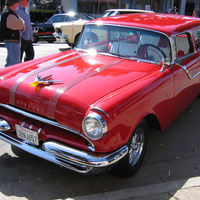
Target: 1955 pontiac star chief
<point>89,109</point>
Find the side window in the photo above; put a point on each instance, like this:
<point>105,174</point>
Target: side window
<point>93,36</point>
<point>58,18</point>
<point>71,19</point>
<point>183,45</point>
<point>196,34</point>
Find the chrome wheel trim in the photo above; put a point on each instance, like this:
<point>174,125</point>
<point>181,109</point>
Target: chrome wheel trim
<point>136,146</point>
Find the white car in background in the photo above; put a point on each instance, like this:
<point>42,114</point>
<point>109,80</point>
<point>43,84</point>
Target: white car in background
<point>113,12</point>
<point>69,31</point>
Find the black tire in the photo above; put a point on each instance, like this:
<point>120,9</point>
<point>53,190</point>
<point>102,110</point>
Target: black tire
<point>50,41</point>
<point>137,146</point>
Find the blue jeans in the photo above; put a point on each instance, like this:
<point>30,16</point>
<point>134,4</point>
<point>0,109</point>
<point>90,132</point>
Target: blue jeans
<point>13,56</point>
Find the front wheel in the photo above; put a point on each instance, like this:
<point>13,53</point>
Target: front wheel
<point>137,145</point>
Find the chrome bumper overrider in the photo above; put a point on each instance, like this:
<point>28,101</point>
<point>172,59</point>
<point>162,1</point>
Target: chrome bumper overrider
<point>60,38</point>
<point>69,157</point>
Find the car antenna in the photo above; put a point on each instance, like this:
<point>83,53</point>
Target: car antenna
<point>72,35</point>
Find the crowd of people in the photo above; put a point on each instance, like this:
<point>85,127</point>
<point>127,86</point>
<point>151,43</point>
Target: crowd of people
<point>16,31</point>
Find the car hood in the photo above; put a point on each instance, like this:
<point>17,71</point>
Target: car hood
<point>77,80</point>
<point>42,25</point>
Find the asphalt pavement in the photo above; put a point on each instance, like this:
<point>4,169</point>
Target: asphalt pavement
<point>171,168</point>
<point>41,49</point>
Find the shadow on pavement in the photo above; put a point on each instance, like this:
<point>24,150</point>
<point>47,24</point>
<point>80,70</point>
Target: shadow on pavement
<point>64,49</point>
<point>171,155</point>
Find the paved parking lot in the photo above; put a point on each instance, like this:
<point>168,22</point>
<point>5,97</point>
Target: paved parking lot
<point>171,156</point>
<point>41,49</point>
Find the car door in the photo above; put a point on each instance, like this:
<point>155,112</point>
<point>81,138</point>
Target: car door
<point>186,74</point>
<point>196,34</point>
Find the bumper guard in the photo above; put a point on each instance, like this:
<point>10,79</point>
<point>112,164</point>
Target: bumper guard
<point>60,38</point>
<point>74,159</point>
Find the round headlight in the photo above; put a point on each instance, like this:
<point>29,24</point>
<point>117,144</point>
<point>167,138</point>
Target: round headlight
<point>94,126</point>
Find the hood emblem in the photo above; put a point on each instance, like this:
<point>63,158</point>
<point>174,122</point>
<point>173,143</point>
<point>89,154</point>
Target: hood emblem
<point>40,81</point>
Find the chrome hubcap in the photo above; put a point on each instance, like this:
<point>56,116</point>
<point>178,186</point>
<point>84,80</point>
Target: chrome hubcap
<point>136,146</point>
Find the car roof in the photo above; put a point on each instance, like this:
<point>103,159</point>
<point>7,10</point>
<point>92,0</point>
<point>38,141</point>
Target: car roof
<point>169,24</point>
<point>68,13</point>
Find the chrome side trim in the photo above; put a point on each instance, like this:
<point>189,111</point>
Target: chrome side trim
<point>71,158</point>
<point>47,121</point>
<point>187,72</point>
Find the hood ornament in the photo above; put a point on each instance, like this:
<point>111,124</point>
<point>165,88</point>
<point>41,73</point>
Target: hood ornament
<point>40,81</point>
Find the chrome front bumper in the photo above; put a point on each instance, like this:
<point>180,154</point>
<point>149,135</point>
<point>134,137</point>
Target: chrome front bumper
<point>60,38</point>
<point>77,160</point>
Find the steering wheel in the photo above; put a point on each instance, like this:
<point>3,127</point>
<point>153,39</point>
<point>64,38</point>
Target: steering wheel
<point>151,52</point>
<point>90,38</point>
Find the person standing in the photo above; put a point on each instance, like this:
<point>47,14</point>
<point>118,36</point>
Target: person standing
<point>27,35</point>
<point>174,11</point>
<point>11,29</point>
<point>59,10</point>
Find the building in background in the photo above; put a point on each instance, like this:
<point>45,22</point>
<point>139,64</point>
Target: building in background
<point>97,7</point>
<point>41,10</point>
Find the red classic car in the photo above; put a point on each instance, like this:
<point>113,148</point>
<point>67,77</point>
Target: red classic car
<point>89,109</point>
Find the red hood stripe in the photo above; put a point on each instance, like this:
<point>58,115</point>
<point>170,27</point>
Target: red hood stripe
<point>20,80</point>
<point>56,95</point>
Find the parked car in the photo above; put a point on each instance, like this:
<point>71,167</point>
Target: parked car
<point>68,32</point>
<point>44,31</point>
<point>90,108</point>
<point>0,28</point>
<point>113,12</point>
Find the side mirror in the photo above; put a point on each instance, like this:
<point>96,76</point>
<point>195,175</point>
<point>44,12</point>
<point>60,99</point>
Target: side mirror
<point>164,62</point>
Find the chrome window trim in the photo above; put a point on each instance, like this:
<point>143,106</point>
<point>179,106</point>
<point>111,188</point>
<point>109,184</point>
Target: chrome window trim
<point>175,47</point>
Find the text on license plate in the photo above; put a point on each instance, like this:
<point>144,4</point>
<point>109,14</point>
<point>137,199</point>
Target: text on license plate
<point>27,134</point>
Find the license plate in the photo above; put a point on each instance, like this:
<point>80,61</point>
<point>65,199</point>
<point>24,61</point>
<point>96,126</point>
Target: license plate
<point>27,134</point>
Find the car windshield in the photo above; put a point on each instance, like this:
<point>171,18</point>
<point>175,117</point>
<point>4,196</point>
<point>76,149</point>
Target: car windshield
<point>66,18</point>
<point>57,18</point>
<point>125,42</point>
<point>108,13</point>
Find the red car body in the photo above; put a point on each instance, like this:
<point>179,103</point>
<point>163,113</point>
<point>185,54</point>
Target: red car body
<point>53,96</point>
